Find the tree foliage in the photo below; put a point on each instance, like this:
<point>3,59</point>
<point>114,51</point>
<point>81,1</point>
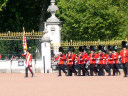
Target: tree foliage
<point>93,19</point>
<point>14,14</point>
<point>3,4</point>
<point>19,13</point>
<point>82,20</point>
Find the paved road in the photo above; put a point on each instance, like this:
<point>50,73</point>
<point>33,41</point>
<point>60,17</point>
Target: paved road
<point>51,85</point>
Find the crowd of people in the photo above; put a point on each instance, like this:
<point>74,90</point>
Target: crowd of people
<point>98,63</point>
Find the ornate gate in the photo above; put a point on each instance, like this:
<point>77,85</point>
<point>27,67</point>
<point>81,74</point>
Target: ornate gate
<point>11,44</point>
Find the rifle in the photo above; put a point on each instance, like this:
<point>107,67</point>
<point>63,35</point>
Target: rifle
<point>61,56</point>
<point>110,55</point>
<point>80,57</point>
<point>93,56</point>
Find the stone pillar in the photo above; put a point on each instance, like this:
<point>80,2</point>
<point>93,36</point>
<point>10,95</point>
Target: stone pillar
<point>54,32</point>
<point>46,53</point>
<point>53,26</point>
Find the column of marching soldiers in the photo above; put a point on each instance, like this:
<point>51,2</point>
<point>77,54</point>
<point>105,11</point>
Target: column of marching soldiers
<point>98,63</point>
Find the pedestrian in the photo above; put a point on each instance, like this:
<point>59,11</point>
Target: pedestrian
<point>81,61</point>
<point>116,70</point>
<point>69,62</point>
<point>74,60</point>
<point>124,58</point>
<point>110,59</point>
<point>100,61</point>
<point>105,66</point>
<point>28,62</point>
<point>86,60</point>
<point>92,61</point>
<point>61,58</point>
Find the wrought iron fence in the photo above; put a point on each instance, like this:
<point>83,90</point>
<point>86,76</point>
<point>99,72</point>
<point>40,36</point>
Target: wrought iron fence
<point>76,44</point>
<point>18,35</point>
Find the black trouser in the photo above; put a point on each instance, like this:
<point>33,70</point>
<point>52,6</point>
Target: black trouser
<point>106,68</point>
<point>86,69</point>
<point>81,67</point>
<point>92,69</point>
<point>26,71</point>
<point>125,68</point>
<point>111,66</point>
<point>96,68</point>
<point>74,70</point>
<point>70,70</point>
<point>116,70</point>
<point>101,72</point>
<point>61,67</point>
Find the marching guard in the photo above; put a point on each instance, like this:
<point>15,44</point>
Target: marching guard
<point>124,58</point>
<point>92,61</point>
<point>28,62</point>
<point>105,66</point>
<point>116,70</point>
<point>106,62</point>
<point>74,60</point>
<point>86,60</point>
<point>100,61</point>
<point>61,59</point>
<point>110,60</point>
<point>81,61</point>
<point>70,62</point>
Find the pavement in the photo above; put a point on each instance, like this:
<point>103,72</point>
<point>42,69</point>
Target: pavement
<point>51,85</point>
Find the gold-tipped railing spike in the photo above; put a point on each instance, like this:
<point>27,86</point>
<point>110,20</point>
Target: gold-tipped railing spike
<point>89,43</point>
<point>18,35</point>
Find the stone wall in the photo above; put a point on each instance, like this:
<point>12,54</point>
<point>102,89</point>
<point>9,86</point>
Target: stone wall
<point>18,66</point>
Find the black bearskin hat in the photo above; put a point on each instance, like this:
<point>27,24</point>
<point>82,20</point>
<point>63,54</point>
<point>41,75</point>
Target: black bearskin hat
<point>124,44</point>
<point>81,49</point>
<point>100,47</point>
<point>61,49</point>
<point>92,48</point>
<point>109,48</point>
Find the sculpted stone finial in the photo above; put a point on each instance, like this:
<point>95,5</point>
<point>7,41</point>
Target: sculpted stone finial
<point>53,1</point>
<point>53,9</point>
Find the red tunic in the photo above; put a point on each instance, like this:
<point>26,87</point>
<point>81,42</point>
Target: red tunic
<point>86,57</point>
<point>70,59</point>
<point>81,59</point>
<point>92,61</point>
<point>74,56</point>
<point>0,56</point>
<point>110,59</point>
<point>105,59</point>
<point>60,61</point>
<point>101,56</point>
<point>28,60</point>
<point>124,56</point>
<point>115,58</point>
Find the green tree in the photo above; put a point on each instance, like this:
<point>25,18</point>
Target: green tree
<point>19,13</point>
<point>3,4</point>
<point>93,19</point>
<point>14,14</point>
